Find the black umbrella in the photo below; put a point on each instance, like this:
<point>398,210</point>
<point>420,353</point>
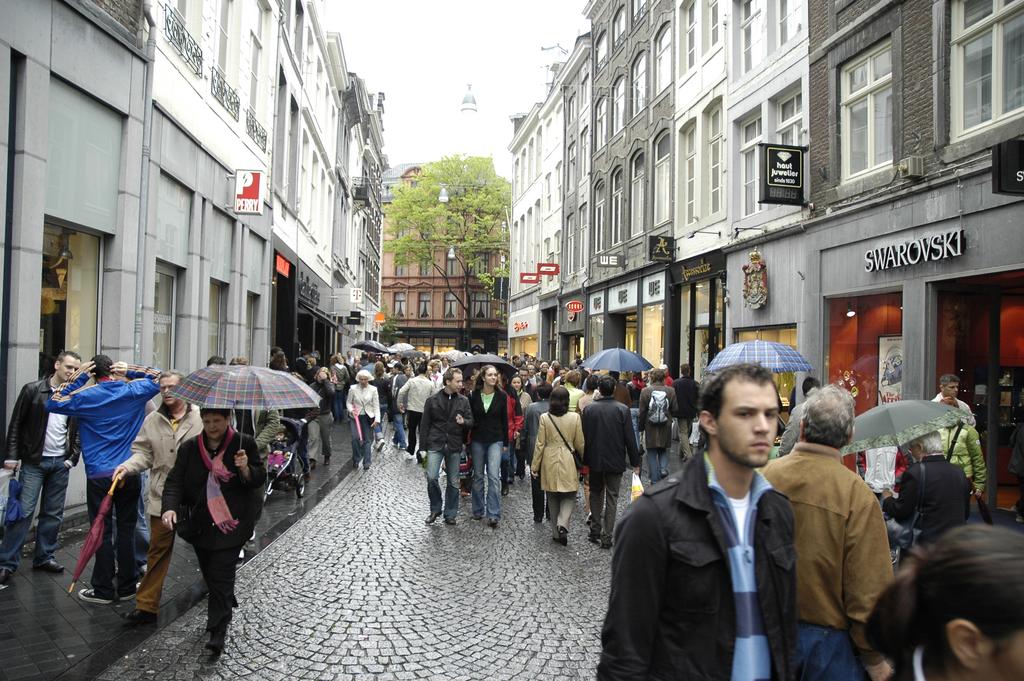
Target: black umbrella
<point>473,362</point>
<point>371,346</point>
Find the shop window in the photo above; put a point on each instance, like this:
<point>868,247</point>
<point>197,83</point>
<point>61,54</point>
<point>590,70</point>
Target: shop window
<point>785,383</point>
<point>653,334</point>
<point>69,295</point>
<point>595,333</point>
<point>164,295</point>
<point>865,348</point>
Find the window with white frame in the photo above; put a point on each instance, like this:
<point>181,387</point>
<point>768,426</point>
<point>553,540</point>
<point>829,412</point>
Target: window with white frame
<point>224,15</point>
<point>401,270</point>
<point>639,84</point>
<point>399,305</point>
<point>616,208</point>
<point>714,144</point>
<point>547,189</point>
<point>256,62</point>
<point>690,168</point>
<point>662,179</point>
<point>530,158</point>
<point>450,304</point>
<point>750,135</point>
<point>988,63</point>
<point>790,119</point>
<point>570,169</point>
<point>570,242</point>
<point>690,34</point>
<point>618,105</point>
<point>599,218</point>
<point>867,111</point>
<point>558,182</point>
<point>712,23</point>
<point>601,51</point>
<point>619,27</point>
<point>540,152</point>
<point>584,93</point>
<point>639,7</point>
<point>662,59</point>
<point>570,108</point>
<point>750,34</point>
<point>584,153</point>
<point>581,236</point>
<point>789,14</point>
<point>518,178</point>
<point>481,304</point>
<point>636,196</point>
<point>601,123</point>
<point>424,306</point>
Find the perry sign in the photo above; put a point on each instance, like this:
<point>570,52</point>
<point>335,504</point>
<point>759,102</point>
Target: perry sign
<point>249,188</point>
<point>550,269</point>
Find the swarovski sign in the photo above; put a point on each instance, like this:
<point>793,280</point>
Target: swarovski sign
<point>924,249</point>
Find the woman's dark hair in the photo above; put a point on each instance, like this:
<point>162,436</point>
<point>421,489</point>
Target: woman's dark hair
<point>712,392</point>
<point>559,401</point>
<point>421,368</point>
<point>226,413</point>
<point>479,385</point>
<point>279,362</point>
<point>972,573</point>
<point>590,385</point>
<point>543,391</point>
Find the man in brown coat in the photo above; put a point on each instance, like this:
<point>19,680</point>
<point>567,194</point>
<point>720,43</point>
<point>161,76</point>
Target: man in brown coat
<point>155,449</point>
<point>658,406</point>
<point>841,544</point>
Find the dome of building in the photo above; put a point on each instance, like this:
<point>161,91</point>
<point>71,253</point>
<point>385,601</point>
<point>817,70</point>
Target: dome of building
<point>469,101</point>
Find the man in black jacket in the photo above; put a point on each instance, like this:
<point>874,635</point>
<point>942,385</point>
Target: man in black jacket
<point>944,498</point>
<point>610,438</point>
<point>686,393</point>
<point>446,419</point>
<point>48,447</point>
<point>703,574</point>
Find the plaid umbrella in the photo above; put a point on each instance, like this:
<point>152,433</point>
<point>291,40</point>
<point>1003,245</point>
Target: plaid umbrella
<point>897,423</point>
<point>95,536</point>
<point>778,357</point>
<point>245,387</point>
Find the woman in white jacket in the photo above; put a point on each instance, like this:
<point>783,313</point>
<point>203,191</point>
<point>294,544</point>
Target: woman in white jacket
<point>364,405</point>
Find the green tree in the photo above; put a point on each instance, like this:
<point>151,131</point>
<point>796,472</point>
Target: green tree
<point>388,331</point>
<point>470,226</point>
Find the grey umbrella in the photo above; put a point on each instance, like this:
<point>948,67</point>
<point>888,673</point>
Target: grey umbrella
<point>897,423</point>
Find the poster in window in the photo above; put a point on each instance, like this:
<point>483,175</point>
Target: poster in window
<point>890,369</point>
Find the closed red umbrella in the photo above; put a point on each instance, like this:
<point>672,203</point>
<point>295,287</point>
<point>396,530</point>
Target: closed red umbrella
<point>95,536</point>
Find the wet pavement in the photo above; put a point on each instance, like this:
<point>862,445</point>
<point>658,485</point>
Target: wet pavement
<point>45,633</point>
<point>361,588</point>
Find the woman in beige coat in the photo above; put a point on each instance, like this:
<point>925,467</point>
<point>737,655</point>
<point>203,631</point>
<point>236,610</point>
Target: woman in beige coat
<point>559,434</point>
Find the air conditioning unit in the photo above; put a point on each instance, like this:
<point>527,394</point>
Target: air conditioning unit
<point>912,167</point>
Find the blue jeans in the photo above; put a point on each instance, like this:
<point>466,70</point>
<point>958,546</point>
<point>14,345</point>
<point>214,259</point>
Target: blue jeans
<point>125,515</point>
<point>48,480</point>
<point>398,418</point>
<point>338,404</point>
<point>362,449</point>
<point>508,466</point>
<point>657,463</point>
<point>826,654</point>
<point>487,456</point>
<point>451,491</point>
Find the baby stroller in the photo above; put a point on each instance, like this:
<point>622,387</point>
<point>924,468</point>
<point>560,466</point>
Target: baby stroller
<point>284,471</point>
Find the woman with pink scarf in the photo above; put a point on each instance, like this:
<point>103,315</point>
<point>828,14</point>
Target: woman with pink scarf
<point>210,499</point>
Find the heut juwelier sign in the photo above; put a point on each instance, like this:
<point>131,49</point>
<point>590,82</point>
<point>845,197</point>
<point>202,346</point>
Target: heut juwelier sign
<point>923,249</point>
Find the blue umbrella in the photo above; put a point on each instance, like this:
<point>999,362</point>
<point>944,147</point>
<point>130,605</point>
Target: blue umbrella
<point>617,359</point>
<point>778,357</point>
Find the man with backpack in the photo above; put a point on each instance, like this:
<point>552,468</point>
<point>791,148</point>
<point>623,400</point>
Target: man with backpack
<point>658,406</point>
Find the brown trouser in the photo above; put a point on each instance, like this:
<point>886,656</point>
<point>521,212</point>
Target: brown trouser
<point>158,562</point>
<point>604,500</point>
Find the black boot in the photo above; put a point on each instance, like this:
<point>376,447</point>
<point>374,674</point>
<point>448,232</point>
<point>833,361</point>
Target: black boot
<point>216,643</point>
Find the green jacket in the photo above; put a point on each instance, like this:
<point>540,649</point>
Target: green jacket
<point>967,454</point>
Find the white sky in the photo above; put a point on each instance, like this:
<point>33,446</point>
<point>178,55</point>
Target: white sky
<point>422,55</point>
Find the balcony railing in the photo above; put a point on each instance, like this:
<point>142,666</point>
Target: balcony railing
<point>182,41</point>
<point>256,131</point>
<point>363,191</point>
<point>224,93</point>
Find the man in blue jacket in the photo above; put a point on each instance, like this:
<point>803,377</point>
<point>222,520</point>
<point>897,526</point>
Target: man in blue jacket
<point>110,413</point>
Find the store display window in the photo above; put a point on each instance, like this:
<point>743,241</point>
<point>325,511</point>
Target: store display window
<point>69,295</point>
<point>865,347</point>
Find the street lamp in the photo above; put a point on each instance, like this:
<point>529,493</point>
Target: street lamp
<point>442,197</point>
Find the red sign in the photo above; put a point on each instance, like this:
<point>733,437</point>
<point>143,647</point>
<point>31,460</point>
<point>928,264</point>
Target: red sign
<point>574,306</point>
<point>520,326</point>
<point>529,278</point>
<point>249,192</point>
<point>282,266</point>
<point>549,268</point>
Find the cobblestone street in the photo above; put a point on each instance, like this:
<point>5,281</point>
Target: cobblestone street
<point>362,588</point>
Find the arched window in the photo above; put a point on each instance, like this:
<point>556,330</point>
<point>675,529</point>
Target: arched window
<point>639,76</point>
<point>619,27</point>
<point>636,196</point>
<point>599,218</point>
<point>618,105</point>
<point>601,123</point>
<point>662,184</point>
<point>616,211</point>
<point>662,59</point>
<point>601,51</point>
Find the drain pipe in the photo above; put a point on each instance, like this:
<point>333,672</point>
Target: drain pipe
<point>147,137</point>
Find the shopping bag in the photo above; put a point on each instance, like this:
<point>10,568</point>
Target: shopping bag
<point>695,433</point>
<point>637,489</point>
